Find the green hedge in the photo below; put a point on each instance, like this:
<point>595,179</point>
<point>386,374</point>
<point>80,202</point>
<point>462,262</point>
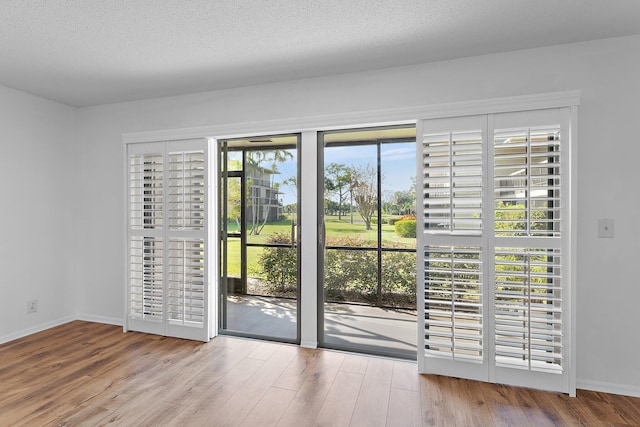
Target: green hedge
<point>350,275</point>
<point>279,264</point>
<point>406,228</point>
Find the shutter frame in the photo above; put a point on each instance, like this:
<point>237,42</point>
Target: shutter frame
<point>540,226</point>
<point>179,301</point>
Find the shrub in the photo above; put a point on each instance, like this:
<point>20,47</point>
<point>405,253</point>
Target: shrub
<point>349,275</point>
<point>399,279</point>
<point>279,264</point>
<point>406,228</point>
<point>392,221</point>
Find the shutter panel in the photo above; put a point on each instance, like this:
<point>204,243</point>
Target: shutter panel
<point>186,190</point>
<point>453,181</point>
<point>146,294</point>
<point>168,287</point>
<point>528,309</point>
<point>453,302</point>
<point>186,282</point>
<point>529,319</point>
<point>451,159</point>
<point>527,182</point>
<point>146,191</point>
<point>495,293</point>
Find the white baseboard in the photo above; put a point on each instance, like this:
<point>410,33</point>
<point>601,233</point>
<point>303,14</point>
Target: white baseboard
<point>100,319</point>
<point>607,387</point>
<point>35,329</point>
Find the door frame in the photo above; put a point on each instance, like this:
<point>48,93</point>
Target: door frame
<point>379,249</point>
<point>223,284</point>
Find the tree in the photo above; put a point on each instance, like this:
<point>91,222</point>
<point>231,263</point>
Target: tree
<point>234,206</point>
<point>337,180</point>
<point>364,186</point>
<point>404,201</point>
<point>260,163</point>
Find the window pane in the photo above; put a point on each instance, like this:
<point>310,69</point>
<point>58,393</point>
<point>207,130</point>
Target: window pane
<point>397,164</point>
<point>270,178</point>
<point>351,195</point>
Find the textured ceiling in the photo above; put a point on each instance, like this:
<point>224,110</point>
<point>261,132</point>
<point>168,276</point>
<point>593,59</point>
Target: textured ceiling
<point>89,52</point>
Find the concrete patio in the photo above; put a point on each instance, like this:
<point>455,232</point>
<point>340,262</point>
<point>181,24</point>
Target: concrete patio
<point>357,327</point>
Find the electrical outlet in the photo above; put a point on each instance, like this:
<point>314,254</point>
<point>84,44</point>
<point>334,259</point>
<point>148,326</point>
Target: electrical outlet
<point>605,228</point>
<point>32,306</point>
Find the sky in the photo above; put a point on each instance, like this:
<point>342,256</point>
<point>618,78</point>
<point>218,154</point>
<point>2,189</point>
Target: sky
<point>398,163</point>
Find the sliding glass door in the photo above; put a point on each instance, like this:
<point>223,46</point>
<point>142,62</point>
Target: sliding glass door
<point>259,237</point>
<point>367,292</point>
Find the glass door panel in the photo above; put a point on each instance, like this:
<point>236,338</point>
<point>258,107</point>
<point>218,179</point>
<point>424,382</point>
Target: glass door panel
<point>260,246</point>
<point>368,280</point>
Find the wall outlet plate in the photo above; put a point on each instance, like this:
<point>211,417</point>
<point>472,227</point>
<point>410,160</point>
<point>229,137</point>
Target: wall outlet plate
<point>32,306</point>
<point>605,228</point>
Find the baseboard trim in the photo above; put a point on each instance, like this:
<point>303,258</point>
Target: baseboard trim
<point>35,329</point>
<point>100,319</point>
<point>607,387</point>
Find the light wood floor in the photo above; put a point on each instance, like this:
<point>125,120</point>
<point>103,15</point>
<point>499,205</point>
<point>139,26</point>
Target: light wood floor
<point>93,374</point>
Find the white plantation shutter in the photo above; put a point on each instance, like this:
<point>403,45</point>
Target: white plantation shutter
<point>146,190</point>
<point>528,309</point>
<point>453,302</point>
<point>186,282</point>
<point>494,287</point>
<point>527,181</point>
<point>531,323</point>
<point>452,163</point>
<point>186,190</point>
<point>453,182</point>
<point>146,291</point>
<point>168,285</point>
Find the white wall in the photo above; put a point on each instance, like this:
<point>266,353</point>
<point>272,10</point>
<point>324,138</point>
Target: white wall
<point>605,71</point>
<point>36,212</point>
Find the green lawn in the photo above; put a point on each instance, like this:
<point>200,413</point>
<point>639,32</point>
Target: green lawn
<point>335,228</point>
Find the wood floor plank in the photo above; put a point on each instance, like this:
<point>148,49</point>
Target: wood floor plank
<point>373,400</point>
<point>240,403</point>
<point>338,406</point>
<point>354,364</point>
<point>310,397</point>
<point>404,376</point>
<point>296,373</point>
<point>269,410</point>
<point>404,408</point>
<point>88,374</point>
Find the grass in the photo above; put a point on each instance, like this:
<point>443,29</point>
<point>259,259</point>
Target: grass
<point>334,227</point>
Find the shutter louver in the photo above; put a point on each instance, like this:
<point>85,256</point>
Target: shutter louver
<point>452,182</point>
<point>146,191</point>
<point>186,190</point>
<point>146,278</point>
<point>186,282</point>
<point>453,302</point>
<point>527,182</point>
<point>528,309</point>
